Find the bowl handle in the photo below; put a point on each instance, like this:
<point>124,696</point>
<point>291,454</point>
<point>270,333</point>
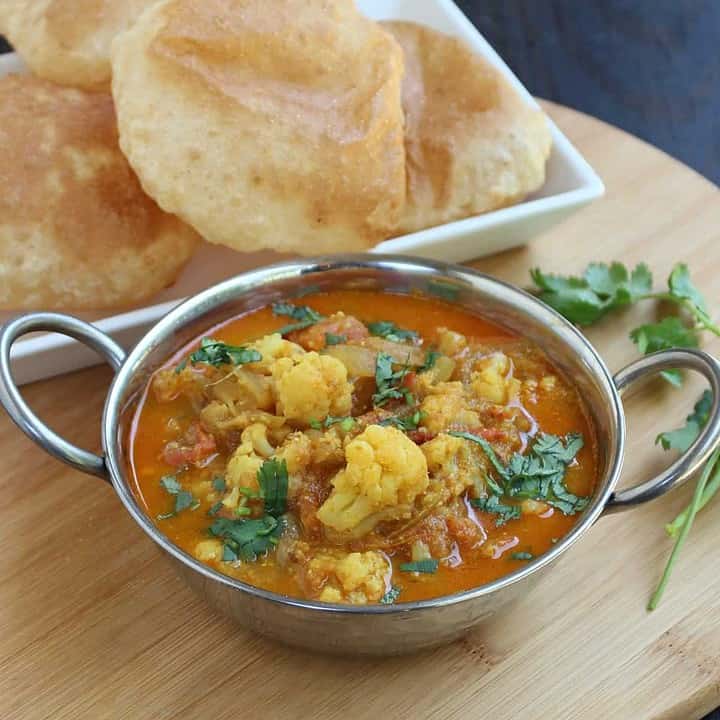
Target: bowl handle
<point>17,408</point>
<point>691,460</point>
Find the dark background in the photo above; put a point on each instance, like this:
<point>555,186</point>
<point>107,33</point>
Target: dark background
<point>652,67</point>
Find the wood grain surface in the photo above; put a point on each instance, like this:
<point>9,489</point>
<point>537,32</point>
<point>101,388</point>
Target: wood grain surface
<point>94,624</point>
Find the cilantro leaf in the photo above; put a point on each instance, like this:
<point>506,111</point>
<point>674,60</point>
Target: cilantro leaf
<point>218,484</point>
<point>215,509</point>
<point>670,332</point>
<point>427,566</point>
<point>539,474</point>
<point>390,331</point>
<point>183,498</point>
<point>391,595</point>
<point>389,382</point>
<point>346,423</point>
<point>331,339</point>
<point>682,438</point>
<point>681,286</point>
<point>302,314</point>
<point>246,539</point>
<point>214,352</point>
<point>522,556</point>
<point>493,505</point>
<point>430,359</point>
<point>406,423</point>
<point>273,480</point>
<point>602,288</point>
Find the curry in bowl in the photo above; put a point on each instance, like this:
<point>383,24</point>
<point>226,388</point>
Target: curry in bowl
<point>359,447</point>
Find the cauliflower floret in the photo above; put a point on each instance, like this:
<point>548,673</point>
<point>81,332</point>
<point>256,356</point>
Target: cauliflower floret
<point>453,466</point>
<point>254,437</point>
<point>385,472</point>
<point>356,578</point>
<point>272,348</point>
<point>311,387</point>
<point>243,390</point>
<point>493,381</point>
<point>451,342</point>
<point>208,550</point>
<point>242,468</point>
<point>447,407</point>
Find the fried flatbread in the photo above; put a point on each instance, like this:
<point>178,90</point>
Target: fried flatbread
<point>76,230</point>
<point>265,125</point>
<point>472,143</point>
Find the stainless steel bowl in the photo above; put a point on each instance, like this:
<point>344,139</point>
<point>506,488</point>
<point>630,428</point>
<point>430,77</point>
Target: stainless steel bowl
<point>377,629</point>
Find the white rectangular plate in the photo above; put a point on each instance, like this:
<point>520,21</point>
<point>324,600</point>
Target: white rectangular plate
<point>571,183</point>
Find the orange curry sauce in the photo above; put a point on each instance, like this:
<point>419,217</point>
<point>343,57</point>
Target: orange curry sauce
<point>561,412</point>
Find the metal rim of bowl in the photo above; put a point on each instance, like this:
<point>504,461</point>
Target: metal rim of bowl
<point>208,298</point>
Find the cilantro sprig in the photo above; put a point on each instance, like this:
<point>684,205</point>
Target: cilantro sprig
<point>303,315</point>
<point>604,288</point>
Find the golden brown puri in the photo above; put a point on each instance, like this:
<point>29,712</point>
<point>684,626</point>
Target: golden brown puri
<point>76,229</point>
<point>68,41</point>
<point>472,143</point>
<point>265,125</point>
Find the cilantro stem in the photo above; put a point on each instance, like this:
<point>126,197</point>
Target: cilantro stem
<point>685,530</point>
<point>702,321</point>
<point>709,492</point>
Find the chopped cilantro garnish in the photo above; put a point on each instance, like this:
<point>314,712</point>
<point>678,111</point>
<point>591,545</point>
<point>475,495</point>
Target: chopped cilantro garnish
<point>218,484</point>
<point>215,509</point>
<point>214,352</point>
<point>181,366</point>
<point>246,539</point>
<point>183,498</point>
<point>492,504</point>
<point>522,556</point>
<point>539,474</point>
<point>391,595</point>
<point>431,357</point>
<point>331,339</point>
<point>390,331</point>
<point>427,566</point>
<point>346,423</point>
<point>406,423</point>
<point>304,316</point>
<point>273,480</point>
<point>389,382</point>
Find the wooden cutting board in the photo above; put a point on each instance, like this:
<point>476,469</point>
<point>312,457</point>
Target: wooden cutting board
<point>94,624</point>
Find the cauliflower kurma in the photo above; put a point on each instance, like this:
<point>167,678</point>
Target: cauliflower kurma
<point>363,448</point>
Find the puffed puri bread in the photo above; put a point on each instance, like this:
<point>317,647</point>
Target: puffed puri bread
<point>68,41</point>
<point>473,144</point>
<point>265,124</point>
<point>76,230</point>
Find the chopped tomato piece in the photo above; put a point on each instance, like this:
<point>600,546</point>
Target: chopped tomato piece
<point>343,328</point>
<point>195,446</point>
